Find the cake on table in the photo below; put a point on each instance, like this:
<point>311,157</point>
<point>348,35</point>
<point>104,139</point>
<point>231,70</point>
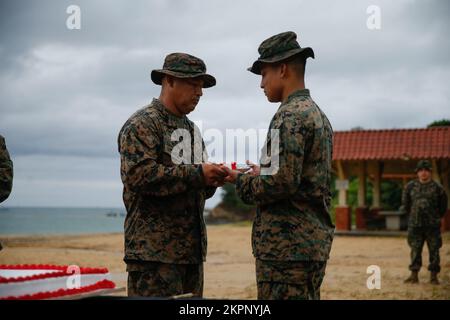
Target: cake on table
<point>36,282</point>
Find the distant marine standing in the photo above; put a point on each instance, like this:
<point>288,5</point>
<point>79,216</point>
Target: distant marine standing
<point>425,201</point>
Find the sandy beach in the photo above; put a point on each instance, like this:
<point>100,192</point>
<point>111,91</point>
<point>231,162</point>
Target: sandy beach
<point>229,270</point>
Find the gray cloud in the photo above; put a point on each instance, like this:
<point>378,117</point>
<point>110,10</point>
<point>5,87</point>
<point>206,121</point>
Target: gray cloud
<point>66,93</point>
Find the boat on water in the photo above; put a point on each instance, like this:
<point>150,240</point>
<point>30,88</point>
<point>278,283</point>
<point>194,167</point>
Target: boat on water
<point>112,214</point>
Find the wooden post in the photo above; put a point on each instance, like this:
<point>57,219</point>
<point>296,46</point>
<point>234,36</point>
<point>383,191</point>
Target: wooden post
<point>342,192</point>
<point>435,171</point>
<point>361,210</point>
<point>404,182</point>
<point>445,178</point>
<point>376,203</point>
<point>342,211</point>
<point>362,184</point>
<point>445,168</point>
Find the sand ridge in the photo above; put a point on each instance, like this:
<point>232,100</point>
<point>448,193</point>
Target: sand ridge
<point>229,270</point>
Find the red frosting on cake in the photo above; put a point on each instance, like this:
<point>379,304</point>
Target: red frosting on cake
<point>62,272</point>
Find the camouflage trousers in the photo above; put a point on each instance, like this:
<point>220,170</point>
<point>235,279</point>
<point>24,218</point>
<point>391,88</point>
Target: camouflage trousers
<point>156,279</point>
<point>289,280</point>
<point>417,236</point>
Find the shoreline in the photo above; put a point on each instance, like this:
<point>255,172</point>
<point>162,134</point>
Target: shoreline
<point>56,235</point>
<point>353,233</point>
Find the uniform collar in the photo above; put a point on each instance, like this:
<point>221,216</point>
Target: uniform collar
<point>298,93</point>
<point>425,183</point>
<point>171,119</point>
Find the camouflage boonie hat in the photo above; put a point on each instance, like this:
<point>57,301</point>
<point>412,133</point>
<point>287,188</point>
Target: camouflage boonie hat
<point>423,164</point>
<point>183,65</point>
<point>277,48</point>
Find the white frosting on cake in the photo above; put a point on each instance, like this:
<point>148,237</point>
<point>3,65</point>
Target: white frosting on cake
<point>23,273</point>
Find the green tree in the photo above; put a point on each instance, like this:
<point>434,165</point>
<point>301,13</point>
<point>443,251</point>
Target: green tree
<point>230,200</point>
<point>440,123</point>
<point>391,195</point>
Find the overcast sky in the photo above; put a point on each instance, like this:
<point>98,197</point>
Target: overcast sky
<point>66,93</point>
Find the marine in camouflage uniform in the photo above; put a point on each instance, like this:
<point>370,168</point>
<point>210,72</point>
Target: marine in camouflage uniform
<point>292,231</point>
<point>426,203</point>
<point>165,235</point>
<point>6,171</point>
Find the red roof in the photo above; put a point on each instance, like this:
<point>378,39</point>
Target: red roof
<point>429,143</point>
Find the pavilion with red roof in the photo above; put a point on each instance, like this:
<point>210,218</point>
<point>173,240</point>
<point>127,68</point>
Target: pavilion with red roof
<point>386,154</point>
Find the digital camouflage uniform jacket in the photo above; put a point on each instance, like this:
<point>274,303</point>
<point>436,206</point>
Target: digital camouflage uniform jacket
<point>6,171</point>
<point>425,203</point>
<point>164,201</point>
<point>293,221</point>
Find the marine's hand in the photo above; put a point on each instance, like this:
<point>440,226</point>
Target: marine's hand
<point>214,174</point>
<point>255,169</point>
<point>231,175</point>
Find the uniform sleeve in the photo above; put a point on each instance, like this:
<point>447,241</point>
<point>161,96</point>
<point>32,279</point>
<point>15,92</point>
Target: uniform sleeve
<point>140,171</point>
<point>6,171</point>
<point>406,200</point>
<point>443,203</point>
<point>265,189</point>
<point>209,191</point>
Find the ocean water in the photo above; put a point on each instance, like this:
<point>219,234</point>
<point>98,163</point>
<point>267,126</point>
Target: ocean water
<point>36,221</point>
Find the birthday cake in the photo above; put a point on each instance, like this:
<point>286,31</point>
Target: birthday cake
<point>36,282</point>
